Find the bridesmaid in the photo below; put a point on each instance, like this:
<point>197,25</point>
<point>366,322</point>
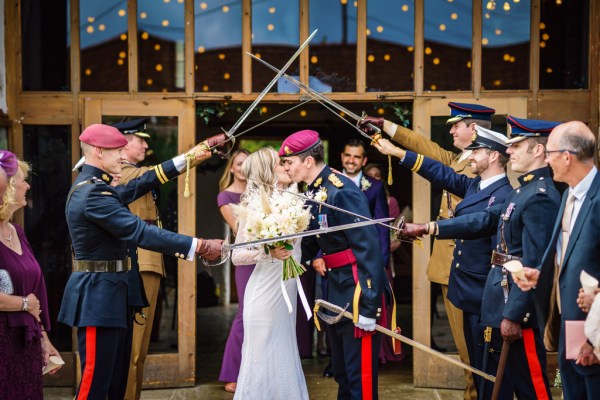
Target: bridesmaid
<point>232,185</point>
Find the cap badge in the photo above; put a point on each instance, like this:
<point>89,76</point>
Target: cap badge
<point>335,180</point>
<point>287,150</point>
<point>529,177</point>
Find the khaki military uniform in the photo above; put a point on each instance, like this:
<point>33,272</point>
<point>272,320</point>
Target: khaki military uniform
<point>152,270</point>
<point>438,269</point>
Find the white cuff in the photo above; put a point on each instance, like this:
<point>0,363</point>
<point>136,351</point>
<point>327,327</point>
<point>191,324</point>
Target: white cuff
<point>392,131</point>
<point>179,162</point>
<point>192,253</point>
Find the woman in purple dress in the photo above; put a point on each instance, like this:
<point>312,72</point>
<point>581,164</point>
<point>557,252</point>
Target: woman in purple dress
<point>24,318</point>
<point>232,185</point>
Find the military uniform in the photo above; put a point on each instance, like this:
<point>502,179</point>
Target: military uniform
<point>471,259</point>
<point>102,288</point>
<point>438,269</point>
<point>523,226</point>
<point>152,271</point>
<point>353,259</point>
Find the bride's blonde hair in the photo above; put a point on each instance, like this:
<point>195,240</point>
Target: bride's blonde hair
<point>259,170</point>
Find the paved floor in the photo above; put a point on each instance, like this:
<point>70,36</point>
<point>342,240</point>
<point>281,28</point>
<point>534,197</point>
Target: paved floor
<point>395,379</point>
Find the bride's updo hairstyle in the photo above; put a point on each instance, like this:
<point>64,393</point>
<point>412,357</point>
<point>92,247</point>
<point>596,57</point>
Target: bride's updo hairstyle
<point>259,169</point>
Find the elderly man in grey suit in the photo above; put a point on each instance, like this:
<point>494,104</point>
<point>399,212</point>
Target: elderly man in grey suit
<point>574,247</point>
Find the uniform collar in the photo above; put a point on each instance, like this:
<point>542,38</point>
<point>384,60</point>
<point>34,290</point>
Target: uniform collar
<point>322,177</point>
<point>535,175</point>
<point>97,173</point>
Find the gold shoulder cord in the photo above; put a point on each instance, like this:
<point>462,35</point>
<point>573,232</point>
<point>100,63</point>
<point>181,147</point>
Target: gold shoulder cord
<point>189,158</point>
<point>390,179</point>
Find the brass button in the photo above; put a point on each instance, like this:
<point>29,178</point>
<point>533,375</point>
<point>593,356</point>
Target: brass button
<point>176,254</point>
<point>379,310</point>
<point>525,319</point>
<point>462,241</point>
<point>459,252</point>
<point>181,256</point>
<point>457,265</point>
<point>378,315</point>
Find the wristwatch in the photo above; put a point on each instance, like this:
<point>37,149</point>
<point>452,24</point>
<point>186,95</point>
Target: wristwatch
<point>25,304</point>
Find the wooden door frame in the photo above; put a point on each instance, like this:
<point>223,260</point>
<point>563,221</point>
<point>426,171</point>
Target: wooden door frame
<point>167,369</point>
<point>428,371</point>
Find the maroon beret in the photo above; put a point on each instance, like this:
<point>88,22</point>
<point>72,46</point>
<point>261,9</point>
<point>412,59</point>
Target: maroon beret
<point>298,143</point>
<point>104,136</point>
<point>8,162</point>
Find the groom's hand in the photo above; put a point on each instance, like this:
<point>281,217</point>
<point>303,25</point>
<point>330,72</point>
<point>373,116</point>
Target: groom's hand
<point>365,323</point>
<point>319,265</point>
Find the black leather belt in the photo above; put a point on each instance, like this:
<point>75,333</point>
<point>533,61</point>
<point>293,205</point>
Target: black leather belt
<point>102,266</point>
<point>501,258</point>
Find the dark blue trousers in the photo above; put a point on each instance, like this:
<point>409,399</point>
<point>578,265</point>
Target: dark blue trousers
<point>525,371</point>
<point>474,340</point>
<point>104,354</point>
<point>346,360</point>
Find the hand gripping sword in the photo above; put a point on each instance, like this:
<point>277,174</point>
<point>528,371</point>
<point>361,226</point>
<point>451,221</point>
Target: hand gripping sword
<point>339,311</point>
<point>231,133</point>
<point>227,248</point>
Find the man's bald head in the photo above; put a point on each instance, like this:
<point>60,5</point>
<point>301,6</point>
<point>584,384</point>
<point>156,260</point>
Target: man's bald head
<point>577,138</point>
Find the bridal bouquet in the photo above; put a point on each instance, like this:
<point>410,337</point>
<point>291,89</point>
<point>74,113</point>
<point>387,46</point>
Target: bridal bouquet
<point>270,216</point>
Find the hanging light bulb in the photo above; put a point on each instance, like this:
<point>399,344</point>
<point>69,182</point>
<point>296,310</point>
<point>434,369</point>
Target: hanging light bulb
<point>506,6</point>
<point>491,5</point>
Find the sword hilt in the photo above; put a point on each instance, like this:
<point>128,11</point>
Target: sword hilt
<point>225,255</point>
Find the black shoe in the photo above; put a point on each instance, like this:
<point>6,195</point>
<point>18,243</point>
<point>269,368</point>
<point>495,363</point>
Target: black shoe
<point>328,372</point>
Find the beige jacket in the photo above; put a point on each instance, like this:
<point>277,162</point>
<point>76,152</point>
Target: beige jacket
<point>145,208</point>
<point>438,269</point>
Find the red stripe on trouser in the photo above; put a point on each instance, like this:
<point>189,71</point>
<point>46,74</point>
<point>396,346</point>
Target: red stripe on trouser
<point>90,363</point>
<point>534,364</point>
<point>367,367</point>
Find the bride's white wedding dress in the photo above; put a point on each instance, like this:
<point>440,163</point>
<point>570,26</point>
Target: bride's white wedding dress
<point>271,368</point>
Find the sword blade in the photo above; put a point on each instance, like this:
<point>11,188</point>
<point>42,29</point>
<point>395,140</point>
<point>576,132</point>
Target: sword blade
<point>312,232</point>
<point>306,198</point>
<point>307,89</point>
<point>410,342</point>
<point>270,85</point>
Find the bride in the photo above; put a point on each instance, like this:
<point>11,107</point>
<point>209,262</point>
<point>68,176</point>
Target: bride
<point>271,367</point>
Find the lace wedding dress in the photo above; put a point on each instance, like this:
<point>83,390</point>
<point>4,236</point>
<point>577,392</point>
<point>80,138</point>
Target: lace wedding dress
<point>271,368</point>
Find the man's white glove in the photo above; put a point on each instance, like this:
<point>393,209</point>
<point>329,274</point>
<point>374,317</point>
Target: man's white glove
<point>366,324</point>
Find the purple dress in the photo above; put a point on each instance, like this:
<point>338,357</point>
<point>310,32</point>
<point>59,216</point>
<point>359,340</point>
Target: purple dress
<point>20,333</point>
<point>232,358</point>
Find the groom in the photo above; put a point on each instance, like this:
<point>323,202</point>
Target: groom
<point>353,260</point>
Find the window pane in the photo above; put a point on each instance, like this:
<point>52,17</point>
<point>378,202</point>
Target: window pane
<point>448,44</point>
<point>275,37</point>
<point>333,49</point>
<point>564,45</point>
<point>48,150</point>
<point>218,45</point>
<point>505,45</point>
<point>390,45</point>
<point>45,41</point>
<point>103,33</point>
<point>160,46</point>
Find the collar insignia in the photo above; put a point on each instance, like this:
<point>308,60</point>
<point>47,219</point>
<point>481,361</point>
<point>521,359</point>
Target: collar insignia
<point>335,180</point>
<point>318,182</point>
<point>528,177</point>
<point>105,178</point>
<point>474,137</point>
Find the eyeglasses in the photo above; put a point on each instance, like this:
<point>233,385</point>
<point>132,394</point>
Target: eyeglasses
<point>547,152</point>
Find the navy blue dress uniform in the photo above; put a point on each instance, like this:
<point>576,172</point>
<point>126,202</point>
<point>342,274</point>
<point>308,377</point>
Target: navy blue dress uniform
<point>354,267</point>
<point>378,206</point>
<point>470,263</point>
<point>523,226</point>
<point>100,291</point>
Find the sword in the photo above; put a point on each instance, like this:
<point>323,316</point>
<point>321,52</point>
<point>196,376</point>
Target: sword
<point>227,248</point>
<point>230,134</point>
<point>340,311</point>
<point>319,97</point>
<point>306,198</point>
<point>487,339</point>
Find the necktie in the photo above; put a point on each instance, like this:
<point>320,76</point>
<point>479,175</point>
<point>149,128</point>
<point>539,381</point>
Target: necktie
<point>565,235</point>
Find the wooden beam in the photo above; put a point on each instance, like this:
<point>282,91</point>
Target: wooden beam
<point>419,47</point>
<point>476,52</point>
<point>594,67</point>
<point>361,46</point>
<point>304,32</point>
<point>246,46</point>
<point>189,52</point>
<point>132,45</point>
<point>12,41</point>
<point>534,59</point>
<point>75,85</point>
